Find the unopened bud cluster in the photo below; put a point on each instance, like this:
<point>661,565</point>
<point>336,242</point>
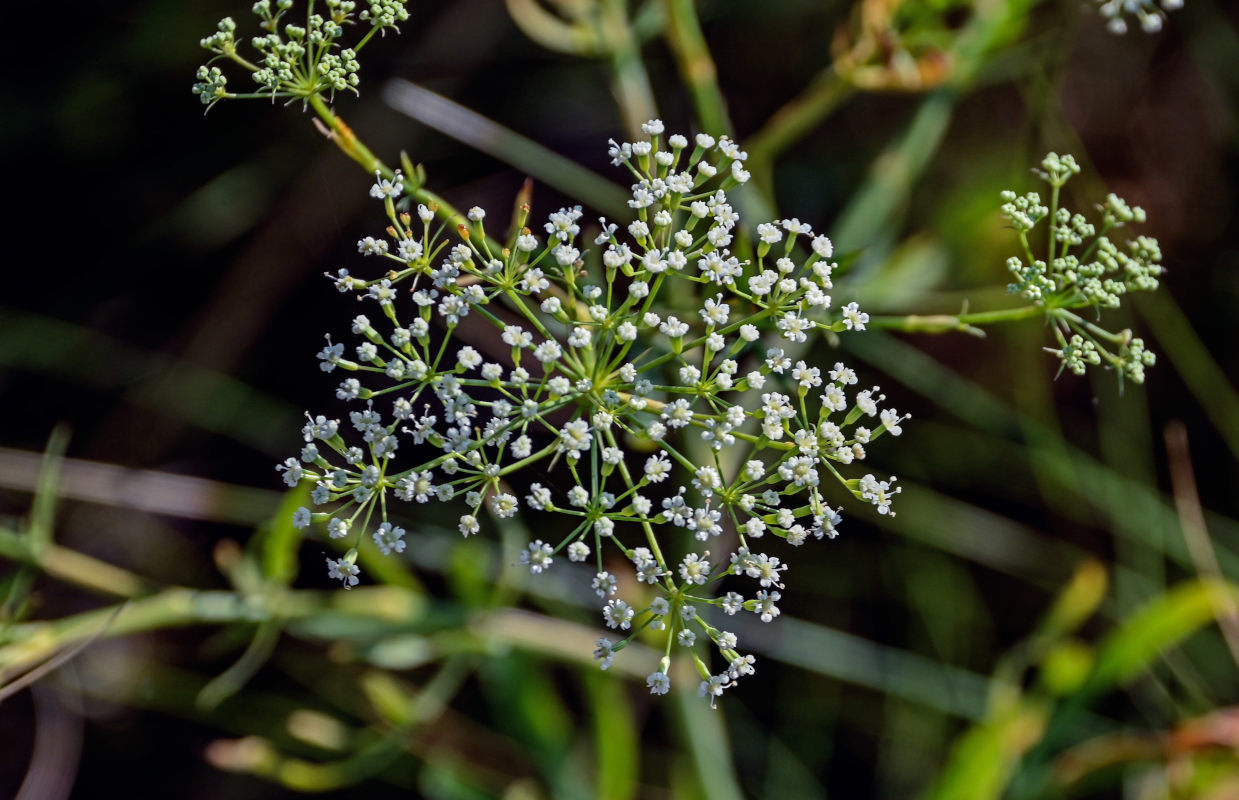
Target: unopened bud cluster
<point>1083,268</point>
<point>296,60</point>
<point>1148,13</point>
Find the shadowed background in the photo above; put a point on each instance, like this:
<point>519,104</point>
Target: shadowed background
<point>164,302</point>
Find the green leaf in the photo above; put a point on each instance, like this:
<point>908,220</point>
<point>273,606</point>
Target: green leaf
<point>43,514</point>
<point>1161,624</point>
<point>615,738</point>
<point>984,759</point>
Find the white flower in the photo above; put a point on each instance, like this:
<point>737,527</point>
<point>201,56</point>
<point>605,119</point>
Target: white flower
<point>866,402</point>
<point>566,255</point>
<point>694,570</point>
<point>578,497</point>
<point>673,327</point>
<point>618,614</point>
<point>776,361</point>
<point>842,374</point>
<point>343,570</point>
<point>713,688</point>
<point>389,539</point>
<point>645,357</point>
<point>764,605</point>
<point>537,556</point>
<point>854,318</point>
<point>603,652</point>
<point>580,337</point>
<point>891,419</point>
<point>795,327</point>
<point>604,584</point>
<point>369,246</point>
<point>575,437</point>
<point>769,233</point>
<point>548,351</point>
<point>808,377</point>
<point>878,492</point>
<point>834,399</point>
<point>657,468</point>
<point>516,336</point>
<point>504,505</point>
<point>795,226</point>
<point>715,311</point>
<point>384,189</point>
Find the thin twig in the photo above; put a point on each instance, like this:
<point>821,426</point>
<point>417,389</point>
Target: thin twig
<point>1195,533</point>
<point>49,666</point>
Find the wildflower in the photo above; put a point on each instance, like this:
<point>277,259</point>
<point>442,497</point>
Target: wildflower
<point>618,614</point>
<point>603,652</point>
<point>344,571</point>
<point>389,538</point>
<point>537,556</point>
<point>597,382</point>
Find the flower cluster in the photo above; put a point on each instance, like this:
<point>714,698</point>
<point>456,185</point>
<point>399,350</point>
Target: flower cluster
<point>1148,13</point>
<point>297,61</point>
<point>645,392</point>
<point>1083,268</point>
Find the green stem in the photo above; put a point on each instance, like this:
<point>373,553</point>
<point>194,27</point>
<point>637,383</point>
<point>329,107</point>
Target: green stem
<point>524,462</point>
<point>963,323</point>
<point>354,148</point>
<point>651,539</point>
<point>631,81</point>
<point>73,567</point>
<point>696,65</point>
<point>798,117</point>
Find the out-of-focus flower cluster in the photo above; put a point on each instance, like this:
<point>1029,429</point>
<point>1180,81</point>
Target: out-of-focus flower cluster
<point>593,372</point>
<point>1084,268</point>
<point>1148,13</point>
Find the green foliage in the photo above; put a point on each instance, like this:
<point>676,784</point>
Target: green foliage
<point>457,675</point>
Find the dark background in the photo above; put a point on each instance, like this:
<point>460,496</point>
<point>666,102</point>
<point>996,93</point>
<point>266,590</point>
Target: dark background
<point>163,299</point>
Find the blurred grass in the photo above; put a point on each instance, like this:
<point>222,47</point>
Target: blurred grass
<point>1012,481</point>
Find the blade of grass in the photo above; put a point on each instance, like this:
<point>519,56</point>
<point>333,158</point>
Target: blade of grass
<point>990,419</point>
<point>1126,653</point>
<point>1195,533</point>
<point>984,759</point>
<point>488,136</point>
<point>696,65</point>
<point>69,565</point>
<point>182,496</point>
<point>1191,359</point>
<point>872,213</point>
<point>844,656</point>
<point>46,490</point>
<point>629,78</point>
<point>210,400</point>
<point>616,747</point>
<point>702,732</point>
